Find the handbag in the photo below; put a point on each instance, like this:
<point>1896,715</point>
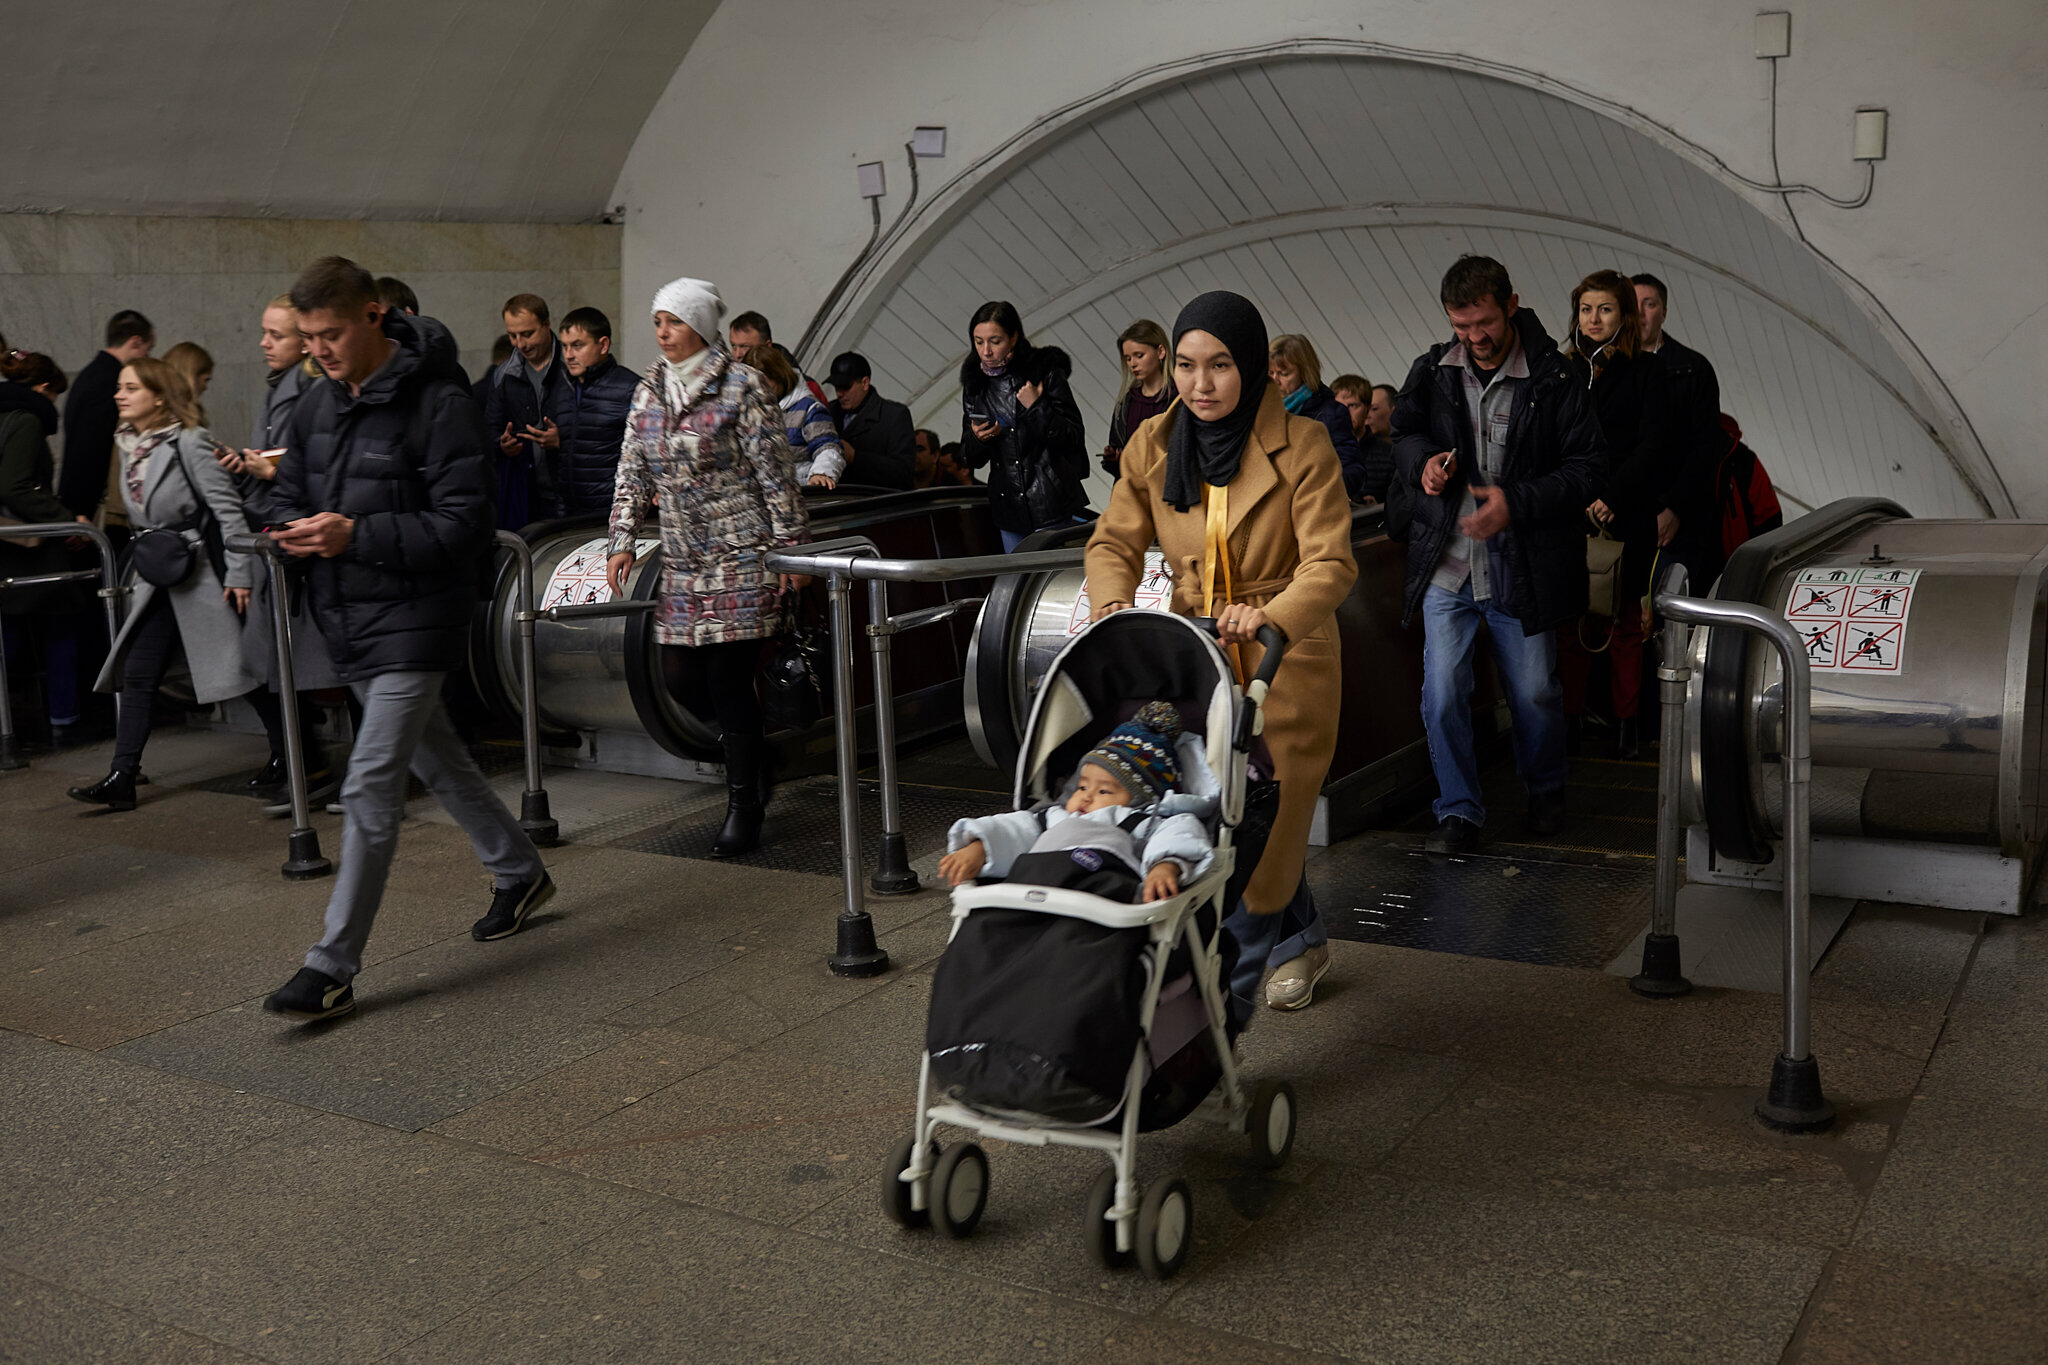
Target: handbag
<point>1603,570</point>
<point>798,689</point>
<point>165,556</point>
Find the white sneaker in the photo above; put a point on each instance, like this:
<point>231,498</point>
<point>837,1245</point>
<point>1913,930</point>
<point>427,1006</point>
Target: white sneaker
<point>1293,983</point>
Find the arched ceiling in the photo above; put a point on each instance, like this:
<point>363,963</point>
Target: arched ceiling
<point>513,110</point>
<point>1334,191</point>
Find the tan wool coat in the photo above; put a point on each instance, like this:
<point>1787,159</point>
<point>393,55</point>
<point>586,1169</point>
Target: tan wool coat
<point>1290,552</point>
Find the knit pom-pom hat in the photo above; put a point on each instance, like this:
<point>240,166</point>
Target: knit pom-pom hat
<point>1140,753</point>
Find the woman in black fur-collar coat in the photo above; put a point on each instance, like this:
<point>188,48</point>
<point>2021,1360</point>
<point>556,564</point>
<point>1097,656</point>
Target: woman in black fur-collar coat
<point>1020,419</point>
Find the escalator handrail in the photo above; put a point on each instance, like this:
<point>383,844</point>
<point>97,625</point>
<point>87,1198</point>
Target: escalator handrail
<point>1733,825</point>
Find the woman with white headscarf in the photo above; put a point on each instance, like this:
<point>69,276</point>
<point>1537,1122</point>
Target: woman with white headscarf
<point>705,451</point>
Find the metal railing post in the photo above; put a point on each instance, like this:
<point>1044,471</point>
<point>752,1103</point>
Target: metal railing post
<point>1662,976</point>
<point>534,816</point>
<point>1795,1102</point>
<point>893,876</point>
<point>10,751</point>
<point>110,591</point>
<point>839,562</point>
<point>303,860</point>
<point>857,953</point>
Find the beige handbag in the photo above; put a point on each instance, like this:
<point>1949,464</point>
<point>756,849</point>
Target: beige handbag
<point>1603,570</point>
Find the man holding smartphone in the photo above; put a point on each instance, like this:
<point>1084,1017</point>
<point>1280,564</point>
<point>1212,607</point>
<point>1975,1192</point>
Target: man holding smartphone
<point>1495,431</point>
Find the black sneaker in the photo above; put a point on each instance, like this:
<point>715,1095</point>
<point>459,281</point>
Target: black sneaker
<point>311,995</point>
<point>510,905</point>
<point>1546,814</point>
<point>1455,835</point>
<point>320,788</point>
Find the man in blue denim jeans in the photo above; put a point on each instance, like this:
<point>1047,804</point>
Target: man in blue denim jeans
<point>1495,432</point>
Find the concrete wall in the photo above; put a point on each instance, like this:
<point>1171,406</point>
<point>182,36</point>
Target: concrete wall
<point>207,280</point>
<point>1949,254</point>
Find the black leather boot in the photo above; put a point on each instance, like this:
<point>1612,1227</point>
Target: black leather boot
<point>1628,738</point>
<point>741,832</point>
<point>115,791</point>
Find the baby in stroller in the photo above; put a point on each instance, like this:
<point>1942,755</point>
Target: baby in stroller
<point>1124,832</point>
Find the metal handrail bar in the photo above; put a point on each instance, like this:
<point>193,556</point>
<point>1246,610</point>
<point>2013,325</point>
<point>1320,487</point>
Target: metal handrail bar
<point>303,859</point>
<point>1794,1102</point>
<point>582,611</point>
<point>1662,975</point>
<point>839,562</point>
<point>110,593</point>
<point>534,816</point>
<point>827,557</point>
<point>926,616</point>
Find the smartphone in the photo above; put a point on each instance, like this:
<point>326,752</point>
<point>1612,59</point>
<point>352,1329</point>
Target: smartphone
<point>980,419</point>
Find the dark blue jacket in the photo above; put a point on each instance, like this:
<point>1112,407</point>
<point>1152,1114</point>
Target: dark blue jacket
<point>1327,408</point>
<point>1555,464</point>
<point>592,423</point>
<point>527,490</point>
<point>406,458</point>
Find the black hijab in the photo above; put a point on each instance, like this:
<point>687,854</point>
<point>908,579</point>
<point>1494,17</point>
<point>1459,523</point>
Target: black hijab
<point>1200,452</point>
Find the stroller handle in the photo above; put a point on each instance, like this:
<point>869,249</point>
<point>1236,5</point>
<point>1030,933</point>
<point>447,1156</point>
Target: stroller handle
<point>1252,720</point>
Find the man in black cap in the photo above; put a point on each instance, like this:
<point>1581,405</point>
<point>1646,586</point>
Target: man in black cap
<point>876,431</point>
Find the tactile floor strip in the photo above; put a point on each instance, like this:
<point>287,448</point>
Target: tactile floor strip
<point>1381,889</point>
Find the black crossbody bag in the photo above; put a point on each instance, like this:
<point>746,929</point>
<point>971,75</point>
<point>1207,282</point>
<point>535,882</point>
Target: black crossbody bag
<point>165,556</point>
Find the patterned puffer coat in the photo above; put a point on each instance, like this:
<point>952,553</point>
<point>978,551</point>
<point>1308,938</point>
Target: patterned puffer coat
<point>710,457</point>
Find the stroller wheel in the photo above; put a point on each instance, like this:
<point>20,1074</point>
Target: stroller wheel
<point>1099,1230</point>
<point>960,1189</point>
<point>1166,1228</point>
<point>1270,1125</point>
<point>896,1202</point>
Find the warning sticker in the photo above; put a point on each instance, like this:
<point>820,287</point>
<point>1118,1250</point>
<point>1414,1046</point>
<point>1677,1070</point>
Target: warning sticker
<point>1896,578</point>
<point>579,579</point>
<point>1856,624</point>
<point>1811,600</point>
<point>1155,590</point>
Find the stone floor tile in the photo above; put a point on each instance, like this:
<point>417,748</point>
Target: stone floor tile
<point>760,1135</point>
<point>680,1283</point>
<point>440,1030</point>
<point>1687,1156</point>
<point>549,1107</point>
<point>1400,1271</point>
<point>79,901</point>
<point>1355,1102</point>
<point>1877,1310</point>
<point>86,1131</point>
<point>276,1251</point>
<point>1967,1183</point>
<point>1162,1341</point>
<point>44,1324</point>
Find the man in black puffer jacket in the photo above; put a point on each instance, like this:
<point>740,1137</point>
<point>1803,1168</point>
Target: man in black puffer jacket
<point>584,446</point>
<point>1501,453</point>
<point>385,489</point>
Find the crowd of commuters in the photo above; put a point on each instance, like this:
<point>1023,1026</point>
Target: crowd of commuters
<point>1499,456</point>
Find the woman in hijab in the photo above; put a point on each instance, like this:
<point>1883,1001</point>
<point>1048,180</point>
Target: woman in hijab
<point>1248,505</point>
<point>706,452</point>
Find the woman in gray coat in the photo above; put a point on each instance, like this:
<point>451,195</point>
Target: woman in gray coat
<point>164,468</point>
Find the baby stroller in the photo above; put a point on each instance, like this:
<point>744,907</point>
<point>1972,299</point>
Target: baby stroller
<point>1063,1017</point>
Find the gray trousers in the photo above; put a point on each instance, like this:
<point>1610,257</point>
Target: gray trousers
<point>405,728</point>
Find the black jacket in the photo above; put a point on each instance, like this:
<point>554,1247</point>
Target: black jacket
<point>89,422</point>
<point>1327,408</point>
<point>592,424</point>
<point>27,420</point>
<point>1037,462</point>
<point>510,399</point>
<point>1556,458</point>
<point>407,458</point>
<point>883,440</point>
<point>1377,455</point>
<point>1692,397</point>
<point>1629,399</point>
